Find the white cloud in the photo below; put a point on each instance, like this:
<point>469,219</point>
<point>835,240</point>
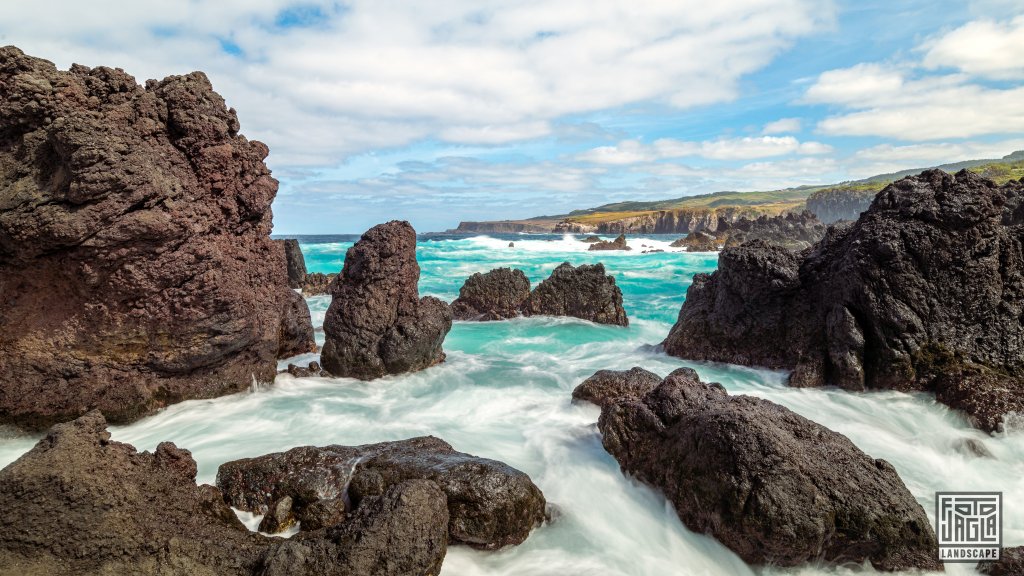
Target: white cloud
<point>782,126</point>
<point>379,74</point>
<point>887,158</point>
<point>634,151</point>
<point>981,48</point>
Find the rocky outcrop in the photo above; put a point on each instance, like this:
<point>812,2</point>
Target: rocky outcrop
<point>1010,563</point>
<point>317,283</point>
<point>607,386</point>
<point>537,226</point>
<point>296,327</point>
<point>377,324</point>
<point>774,487</point>
<point>617,244</point>
<point>308,371</point>
<point>138,219</point>
<point>569,227</point>
<point>792,231</point>
<point>83,504</point>
<point>295,262</point>
<point>678,221</point>
<point>834,204</point>
<point>591,239</point>
<point>924,292</point>
<point>496,295</point>
<point>585,292</point>
<point>697,242</point>
<point>490,504</point>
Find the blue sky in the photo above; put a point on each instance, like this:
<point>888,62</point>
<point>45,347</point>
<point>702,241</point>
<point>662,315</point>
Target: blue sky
<point>454,110</point>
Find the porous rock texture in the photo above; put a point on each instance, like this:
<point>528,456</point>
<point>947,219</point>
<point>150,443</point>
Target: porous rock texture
<point>296,327</point>
<point>495,295</point>
<point>136,266</point>
<point>317,283</point>
<point>618,244</point>
<point>923,292</point>
<point>1010,563</point>
<point>609,385</point>
<point>377,324</point>
<point>490,504</point>
<point>79,503</point>
<point>296,262</point>
<point>774,487</point>
<point>582,292</point>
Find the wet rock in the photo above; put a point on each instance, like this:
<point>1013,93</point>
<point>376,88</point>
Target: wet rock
<point>309,371</point>
<point>318,283</point>
<point>607,386</point>
<point>655,251</point>
<point>139,219</point>
<point>377,324</point>
<point>511,244</point>
<point>591,239</point>
<point>582,292</point>
<point>697,241</point>
<point>296,327</point>
<point>279,517</point>
<point>295,261</point>
<point>793,231</point>
<point>490,504</point>
<point>774,487</point>
<point>617,244</point>
<point>972,447</point>
<point>496,295</point>
<point>1010,563</point>
<point>324,513</point>
<point>923,292</point>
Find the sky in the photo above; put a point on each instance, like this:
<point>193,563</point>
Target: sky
<point>448,110</point>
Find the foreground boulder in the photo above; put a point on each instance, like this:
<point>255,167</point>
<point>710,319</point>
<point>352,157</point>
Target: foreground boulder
<point>582,292</point>
<point>1010,563</point>
<point>82,504</point>
<point>496,295</point>
<point>924,292</point>
<point>490,504</point>
<point>295,262</point>
<point>607,386</point>
<point>377,324</point>
<point>697,242</point>
<point>774,487</point>
<point>138,219</point>
<point>617,244</point>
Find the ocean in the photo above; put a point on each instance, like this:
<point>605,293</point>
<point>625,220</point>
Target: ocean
<point>504,393</point>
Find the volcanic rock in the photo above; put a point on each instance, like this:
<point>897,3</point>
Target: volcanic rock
<point>296,262</point>
<point>774,487</point>
<point>617,244</point>
<point>591,239</point>
<point>606,386</point>
<point>496,295</point>
<point>490,504</point>
<point>923,292</point>
<point>791,231</point>
<point>1010,563</point>
<point>835,204</point>
<point>296,327</point>
<point>585,292</point>
<point>79,503</point>
<point>317,283</point>
<point>136,266</point>
<point>377,324</point>
<point>312,369</point>
<point>697,241</point>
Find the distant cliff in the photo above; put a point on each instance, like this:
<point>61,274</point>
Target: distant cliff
<point>833,204</point>
<point>681,221</point>
<point>505,227</point>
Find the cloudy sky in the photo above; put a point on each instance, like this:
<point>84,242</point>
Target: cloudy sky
<point>448,110</point>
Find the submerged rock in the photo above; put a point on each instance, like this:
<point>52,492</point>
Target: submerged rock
<point>138,219</point>
<point>923,292</point>
<point>774,487</point>
<point>606,386</point>
<point>697,241</point>
<point>296,263</point>
<point>582,292</point>
<point>317,283</point>
<point>617,244</point>
<point>82,504</point>
<point>496,295</point>
<point>490,504</point>
<point>377,324</point>
<point>1010,563</point>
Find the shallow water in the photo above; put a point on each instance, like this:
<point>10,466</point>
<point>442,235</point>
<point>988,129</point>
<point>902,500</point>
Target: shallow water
<point>504,393</point>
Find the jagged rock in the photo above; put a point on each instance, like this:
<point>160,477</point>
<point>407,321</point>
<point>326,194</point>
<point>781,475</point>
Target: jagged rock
<point>490,504</point>
<point>774,487</point>
<point>609,385</point>
<point>791,231</point>
<point>317,283</point>
<point>697,241</point>
<point>377,324</point>
<point>138,219</point>
<point>585,292</point>
<point>296,327</point>
<point>496,295</point>
<point>295,261</point>
<point>591,239</point>
<point>279,517</point>
<point>323,513</point>
<point>617,244</point>
<point>923,292</point>
<point>1010,563</point>
<point>313,369</point>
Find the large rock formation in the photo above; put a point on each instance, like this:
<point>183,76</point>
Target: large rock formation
<point>585,292</point>
<point>377,324</point>
<point>791,230</point>
<point>296,262</point>
<point>296,327</point>
<point>496,295</point>
<point>136,267</point>
<point>774,487</point>
<point>1010,563</point>
<point>490,504</point>
<point>677,221</point>
<point>617,244</point>
<point>834,204</point>
<point>697,241</point>
<point>81,504</point>
<point>924,291</point>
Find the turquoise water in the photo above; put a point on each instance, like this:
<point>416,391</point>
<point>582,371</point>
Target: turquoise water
<point>504,393</point>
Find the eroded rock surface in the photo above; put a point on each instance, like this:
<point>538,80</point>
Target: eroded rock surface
<point>1010,563</point>
<point>923,292</point>
<point>792,231</point>
<point>377,324</point>
<point>697,241</point>
<point>582,292</point>
<point>606,386</point>
<point>496,295</point>
<point>618,244</point>
<point>295,262</point>
<point>317,283</point>
<point>774,487</point>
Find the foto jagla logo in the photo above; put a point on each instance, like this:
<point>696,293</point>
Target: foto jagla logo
<point>969,525</point>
